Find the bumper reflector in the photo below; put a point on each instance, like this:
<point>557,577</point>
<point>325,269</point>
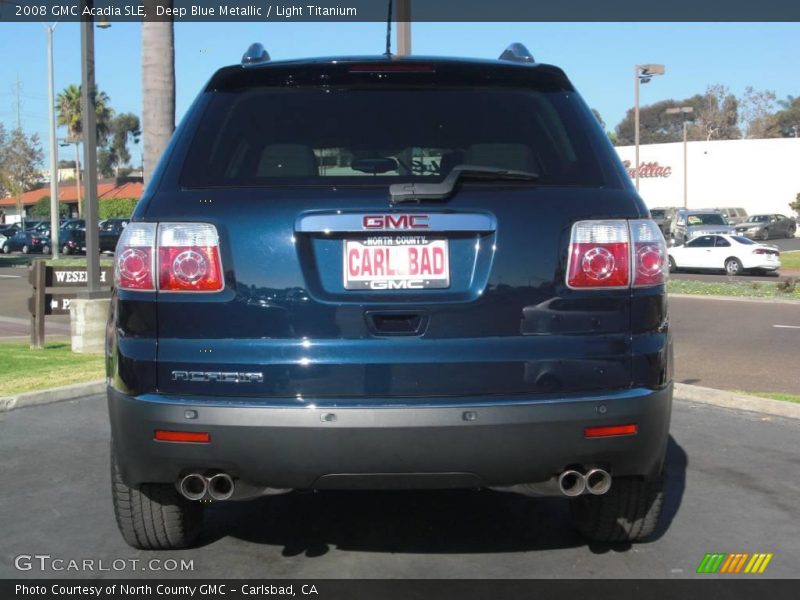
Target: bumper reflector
<point>196,437</point>
<point>610,431</point>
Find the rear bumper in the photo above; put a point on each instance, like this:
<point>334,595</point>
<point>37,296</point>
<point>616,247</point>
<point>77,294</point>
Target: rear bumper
<point>476,442</point>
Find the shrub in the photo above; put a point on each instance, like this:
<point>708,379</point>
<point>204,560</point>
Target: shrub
<point>117,208</point>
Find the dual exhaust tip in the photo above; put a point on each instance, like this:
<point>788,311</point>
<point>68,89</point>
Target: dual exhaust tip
<point>574,483</point>
<point>195,486</point>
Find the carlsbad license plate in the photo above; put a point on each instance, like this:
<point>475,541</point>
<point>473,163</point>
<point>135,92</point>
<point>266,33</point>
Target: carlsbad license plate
<point>396,262</point>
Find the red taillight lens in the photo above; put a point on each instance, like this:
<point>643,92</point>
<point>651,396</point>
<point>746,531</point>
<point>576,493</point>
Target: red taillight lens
<point>196,437</point>
<point>610,431</point>
<point>134,260</point>
<point>599,255</point>
<point>188,258</point>
<point>649,253</point>
<point>616,254</point>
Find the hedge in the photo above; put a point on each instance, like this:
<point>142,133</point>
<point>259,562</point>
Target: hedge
<point>117,208</point>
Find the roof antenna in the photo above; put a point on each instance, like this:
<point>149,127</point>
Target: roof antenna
<point>388,53</point>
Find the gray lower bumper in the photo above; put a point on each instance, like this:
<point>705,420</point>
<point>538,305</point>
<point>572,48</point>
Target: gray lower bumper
<point>476,442</point>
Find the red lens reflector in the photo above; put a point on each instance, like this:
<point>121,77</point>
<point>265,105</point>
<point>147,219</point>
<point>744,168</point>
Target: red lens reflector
<point>599,265</point>
<point>610,430</point>
<point>196,437</point>
<point>189,269</point>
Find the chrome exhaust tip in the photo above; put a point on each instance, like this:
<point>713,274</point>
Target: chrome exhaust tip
<point>571,483</point>
<point>598,481</point>
<point>193,486</point>
<point>220,486</point>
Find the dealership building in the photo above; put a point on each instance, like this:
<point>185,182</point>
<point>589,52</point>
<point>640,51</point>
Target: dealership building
<point>761,176</point>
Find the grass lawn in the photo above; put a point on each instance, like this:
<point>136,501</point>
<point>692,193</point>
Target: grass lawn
<point>772,395</point>
<point>753,289</point>
<point>25,370</point>
<point>790,260</point>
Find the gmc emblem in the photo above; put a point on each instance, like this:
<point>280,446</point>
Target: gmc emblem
<point>395,222</point>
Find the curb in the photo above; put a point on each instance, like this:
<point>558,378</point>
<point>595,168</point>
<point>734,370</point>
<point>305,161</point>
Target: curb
<point>704,395</point>
<point>57,394</point>
<point>683,392</point>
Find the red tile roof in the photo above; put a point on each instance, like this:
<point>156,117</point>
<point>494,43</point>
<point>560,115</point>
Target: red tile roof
<point>67,192</point>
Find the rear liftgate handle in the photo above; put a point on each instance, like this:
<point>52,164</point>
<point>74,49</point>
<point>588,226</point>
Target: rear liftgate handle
<point>399,322</point>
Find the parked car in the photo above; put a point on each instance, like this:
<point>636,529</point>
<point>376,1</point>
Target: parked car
<point>72,241</point>
<point>109,233</point>
<point>665,219</point>
<point>732,253</point>
<point>25,242</point>
<point>734,216</point>
<point>764,227</point>
<point>490,314</point>
<point>7,231</point>
<point>693,223</point>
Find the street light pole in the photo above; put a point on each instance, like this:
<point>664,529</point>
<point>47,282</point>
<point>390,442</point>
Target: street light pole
<point>685,110</point>
<point>641,74</point>
<point>54,213</point>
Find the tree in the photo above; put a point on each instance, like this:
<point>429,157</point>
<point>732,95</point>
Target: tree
<point>158,85</point>
<point>123,128</point>
<point>20,160</point>
<point>795,206</point>
<point>655,126</point>
<point>756,111</point>
<point>786,122</point>
<point>716,114</point>
<point>68,106</point>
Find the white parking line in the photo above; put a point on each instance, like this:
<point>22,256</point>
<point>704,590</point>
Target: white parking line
<point>787,326</point>
<point>10,276</point>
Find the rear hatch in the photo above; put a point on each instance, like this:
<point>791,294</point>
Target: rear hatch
<point>331,290</point>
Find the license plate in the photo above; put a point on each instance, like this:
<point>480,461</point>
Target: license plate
<point>396,262</point>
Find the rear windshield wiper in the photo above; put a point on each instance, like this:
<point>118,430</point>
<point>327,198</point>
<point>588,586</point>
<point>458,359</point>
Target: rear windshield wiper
<point>417,192</point>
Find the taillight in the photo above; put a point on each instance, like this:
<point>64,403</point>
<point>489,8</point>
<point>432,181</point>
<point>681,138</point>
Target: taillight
<point>598,255</point>
<point>766,251</point>
<point>616,254</point>
<point>170,257</point>
<point>649,253</point>
<point>188,258</point>
<point>134,260</point>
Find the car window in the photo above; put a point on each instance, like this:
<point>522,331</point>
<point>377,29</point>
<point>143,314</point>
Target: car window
<point>758,219</point>
<point>270,136</point>
<point>721,242</point>
<point>705,219</point>
<point>742,240</point>
<point>704,241</point>
<point>657,214</point>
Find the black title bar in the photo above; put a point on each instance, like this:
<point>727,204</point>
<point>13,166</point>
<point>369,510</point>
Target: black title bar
<point>421,10</point>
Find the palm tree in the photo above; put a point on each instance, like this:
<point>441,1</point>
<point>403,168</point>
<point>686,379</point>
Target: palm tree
<point>68,105</point>
<point>158,86</point>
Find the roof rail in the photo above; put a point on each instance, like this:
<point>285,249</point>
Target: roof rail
<point>255,55</point>
<point>518,53</point>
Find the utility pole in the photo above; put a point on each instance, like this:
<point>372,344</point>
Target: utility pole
<point>53,144</point>
<point>89,117</point>
<point>403,27</point>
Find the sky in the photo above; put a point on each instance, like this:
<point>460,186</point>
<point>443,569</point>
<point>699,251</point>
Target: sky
<point>599,58</point>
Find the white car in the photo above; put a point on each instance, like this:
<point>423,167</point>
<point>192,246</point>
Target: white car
<point>732,253</point>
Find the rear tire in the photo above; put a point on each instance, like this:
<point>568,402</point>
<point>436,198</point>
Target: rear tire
<point>672,266</point>
<point>6,249</point>
<point>154,516</point>
<point>66,250</point>
<point>45,249</point>
<point>733,266</point>
<point>25,249</point>
<point>628,512</point>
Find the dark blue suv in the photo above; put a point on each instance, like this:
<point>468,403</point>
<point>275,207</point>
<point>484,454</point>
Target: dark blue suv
<point>389,273</point>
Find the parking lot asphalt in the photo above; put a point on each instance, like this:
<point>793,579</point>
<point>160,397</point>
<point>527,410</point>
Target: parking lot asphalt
<point>731,489</point>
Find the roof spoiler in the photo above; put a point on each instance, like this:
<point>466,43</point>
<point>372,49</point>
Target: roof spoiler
<point>255,55</point>
<point>517,52</point>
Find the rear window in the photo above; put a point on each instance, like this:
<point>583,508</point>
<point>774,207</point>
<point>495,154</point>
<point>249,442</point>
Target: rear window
<point>657,214</point>
<point>270,136</point>
<point>742,240</point>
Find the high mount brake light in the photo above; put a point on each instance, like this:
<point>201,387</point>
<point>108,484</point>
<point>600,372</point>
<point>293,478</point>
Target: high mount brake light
<point>170,257</point>
<point>616,254</point>
<point>392,68</point>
